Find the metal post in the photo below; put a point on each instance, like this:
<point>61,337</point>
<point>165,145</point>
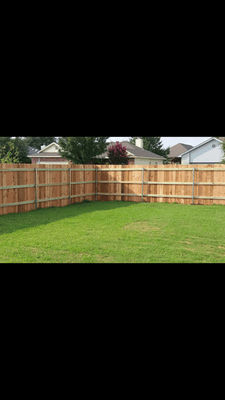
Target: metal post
<point>70,184</point>
<point>96,171</point>
<point>142,184</point>
<point>193,186</point>
<point>36,188</point>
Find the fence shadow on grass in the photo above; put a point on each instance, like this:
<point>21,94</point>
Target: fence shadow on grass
<point>12,222</point>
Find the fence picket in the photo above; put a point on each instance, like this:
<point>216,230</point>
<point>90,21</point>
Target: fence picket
<point>24,187</point>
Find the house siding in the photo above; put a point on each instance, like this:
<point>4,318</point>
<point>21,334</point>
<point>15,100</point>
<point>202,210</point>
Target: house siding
<point>204,154</point>
<point>52,149</point>
<point>48,160</point>
<point>146,161</point>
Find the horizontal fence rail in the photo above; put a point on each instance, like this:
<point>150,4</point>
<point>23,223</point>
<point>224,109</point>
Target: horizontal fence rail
<point>135,185</point>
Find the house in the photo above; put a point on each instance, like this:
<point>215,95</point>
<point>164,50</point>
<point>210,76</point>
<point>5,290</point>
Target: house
<point>176,150</point>
<point>136,154</point>
<point>208,152</point>
<point>48,155</point>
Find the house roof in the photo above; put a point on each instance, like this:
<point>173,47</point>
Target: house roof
<point>201,144</point>
<point>47,154</point>
<point>40,151</point>
<point>32,150</point>
<point>134,151</point>
<point>179,148</point>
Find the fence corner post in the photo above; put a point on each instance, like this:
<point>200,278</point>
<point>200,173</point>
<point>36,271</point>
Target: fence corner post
<point>142,185</point>
<point>36,188</point>
<point>96,183</point>
<point>193,187</point>
<point>70,185</point>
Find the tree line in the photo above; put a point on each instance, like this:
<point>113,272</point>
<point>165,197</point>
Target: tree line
<point>79,150</point>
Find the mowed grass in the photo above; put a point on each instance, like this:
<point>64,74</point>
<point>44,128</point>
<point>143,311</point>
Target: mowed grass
<point>115,232</point>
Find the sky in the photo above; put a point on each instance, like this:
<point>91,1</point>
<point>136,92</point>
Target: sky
<point>169,141</point>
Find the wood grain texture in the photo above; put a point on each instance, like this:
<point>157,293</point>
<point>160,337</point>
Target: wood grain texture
<point>123,184</point>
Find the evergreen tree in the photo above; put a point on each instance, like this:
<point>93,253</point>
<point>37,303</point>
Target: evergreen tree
<point>37,142</point>
<point>153,144</point>
<point>82,149</point>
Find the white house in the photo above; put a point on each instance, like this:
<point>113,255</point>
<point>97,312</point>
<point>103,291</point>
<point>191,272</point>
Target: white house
<point>208,152</point>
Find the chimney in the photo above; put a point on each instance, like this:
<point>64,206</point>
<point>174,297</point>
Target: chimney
<point>42,147</point>
<point>139,143</point>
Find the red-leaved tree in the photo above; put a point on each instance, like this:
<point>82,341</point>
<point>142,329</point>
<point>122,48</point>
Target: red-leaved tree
<point>117,154</point>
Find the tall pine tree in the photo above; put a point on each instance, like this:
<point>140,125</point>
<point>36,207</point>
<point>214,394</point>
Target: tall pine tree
<point>153,144</point>
<point>82,149</point>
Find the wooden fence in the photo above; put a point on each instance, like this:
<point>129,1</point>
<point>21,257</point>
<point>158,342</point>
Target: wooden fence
<point>25,187</point>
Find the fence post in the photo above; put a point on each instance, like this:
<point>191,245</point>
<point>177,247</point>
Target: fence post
<point>36,188</point>
<point>142,184</point>
<point>193,187</point>
<point>70,184</point>
<point>96,171</point>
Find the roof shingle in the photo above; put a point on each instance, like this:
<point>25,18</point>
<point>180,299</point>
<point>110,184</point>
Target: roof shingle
<point>178,149</point>
<point>135,150</point>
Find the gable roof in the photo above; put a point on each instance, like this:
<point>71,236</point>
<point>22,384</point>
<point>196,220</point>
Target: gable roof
<point>201,144</point>
<point>179,148</point>
<point>133,151</point>
<point>46,147</point>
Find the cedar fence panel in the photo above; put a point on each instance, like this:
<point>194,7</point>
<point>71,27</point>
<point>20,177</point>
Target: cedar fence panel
<point>60,185</point>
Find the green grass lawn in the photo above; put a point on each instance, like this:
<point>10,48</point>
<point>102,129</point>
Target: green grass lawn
<point>115,232</point>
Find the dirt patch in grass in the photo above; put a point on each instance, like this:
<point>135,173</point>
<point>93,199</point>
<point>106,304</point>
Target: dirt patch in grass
<point>103,259</point>
<point>141,226</point>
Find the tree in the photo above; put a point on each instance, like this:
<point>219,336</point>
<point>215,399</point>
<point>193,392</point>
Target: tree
<point>9,154</point>
<point>37,142</point>
<point>18,150</point>
<point>82,149</point>
<point>223,148</point>
<point>23,150</point>
<point>117,154</point>
<point>153,144</point>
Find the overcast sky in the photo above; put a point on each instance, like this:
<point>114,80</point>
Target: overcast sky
<point>169,141</point>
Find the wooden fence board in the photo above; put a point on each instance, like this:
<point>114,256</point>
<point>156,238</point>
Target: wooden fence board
<point>124,183</point>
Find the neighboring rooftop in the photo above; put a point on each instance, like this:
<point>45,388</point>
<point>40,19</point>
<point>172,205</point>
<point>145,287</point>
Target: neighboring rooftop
<point>220,140</point>
<point>47,154</point>
<point>178,149</point>
<point>31,151</point>
<point>134,150</point>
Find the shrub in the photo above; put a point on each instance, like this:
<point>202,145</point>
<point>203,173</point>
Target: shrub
<point>117,154</point>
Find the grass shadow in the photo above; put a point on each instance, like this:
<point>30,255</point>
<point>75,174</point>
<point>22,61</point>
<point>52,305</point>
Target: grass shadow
<point>16,221</point>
